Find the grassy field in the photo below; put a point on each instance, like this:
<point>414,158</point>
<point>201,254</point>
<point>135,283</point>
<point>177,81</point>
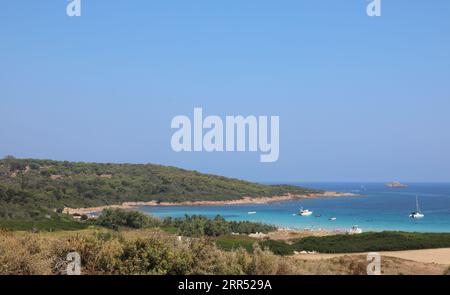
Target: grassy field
<point>153,251</point>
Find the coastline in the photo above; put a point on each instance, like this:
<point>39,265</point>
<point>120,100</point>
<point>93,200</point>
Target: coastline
<point>242,201</point>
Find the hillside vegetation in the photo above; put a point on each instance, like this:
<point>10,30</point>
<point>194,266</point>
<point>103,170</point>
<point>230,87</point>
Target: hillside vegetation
<point>29,188</point>
<point>344,243</point>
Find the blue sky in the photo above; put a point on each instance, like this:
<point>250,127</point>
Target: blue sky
<point>359,98</point>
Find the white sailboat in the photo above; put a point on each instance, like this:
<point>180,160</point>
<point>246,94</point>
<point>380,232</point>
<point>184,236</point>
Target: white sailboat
<point>417,214</point>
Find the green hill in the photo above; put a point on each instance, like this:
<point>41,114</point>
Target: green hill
<point>30,187</point>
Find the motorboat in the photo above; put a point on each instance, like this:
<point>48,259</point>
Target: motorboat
<point>305,212</point>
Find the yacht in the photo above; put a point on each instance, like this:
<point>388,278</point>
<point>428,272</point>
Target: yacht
<point>332,219</point>
<point>417,214</point>
<point>305,212</point>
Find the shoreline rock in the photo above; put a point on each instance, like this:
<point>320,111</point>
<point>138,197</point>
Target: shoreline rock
<point>242,201</point>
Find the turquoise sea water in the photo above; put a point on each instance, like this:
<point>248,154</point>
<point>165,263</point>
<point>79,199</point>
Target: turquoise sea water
<point>380,209</point>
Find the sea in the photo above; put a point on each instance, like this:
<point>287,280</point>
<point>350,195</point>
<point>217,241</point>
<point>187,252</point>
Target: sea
<point>379,208</point>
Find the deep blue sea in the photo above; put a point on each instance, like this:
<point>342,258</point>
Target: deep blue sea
<point>380,209</point>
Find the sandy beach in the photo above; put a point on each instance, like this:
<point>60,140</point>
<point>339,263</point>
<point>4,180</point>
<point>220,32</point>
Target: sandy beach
<point>242,201</point>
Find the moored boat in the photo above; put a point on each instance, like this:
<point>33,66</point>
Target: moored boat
<point>417,214</point>
<point>305,212</point>
<point>355,230</point>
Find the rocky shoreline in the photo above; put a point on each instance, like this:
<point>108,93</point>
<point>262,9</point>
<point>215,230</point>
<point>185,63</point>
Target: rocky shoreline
<point>243,201</point>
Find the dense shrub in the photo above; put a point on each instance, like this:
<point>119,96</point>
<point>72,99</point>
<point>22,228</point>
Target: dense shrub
<point>278,247</point>
<point>196,226</point>
<point>230,243</point>
<point>114,218</point>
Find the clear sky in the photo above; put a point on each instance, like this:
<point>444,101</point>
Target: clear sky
<point>359,98</point>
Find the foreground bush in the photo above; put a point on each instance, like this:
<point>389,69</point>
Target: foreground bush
<point>24,255</point>
<point>155,253</point>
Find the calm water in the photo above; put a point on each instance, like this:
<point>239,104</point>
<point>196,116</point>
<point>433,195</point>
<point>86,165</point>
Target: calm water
<point>382,209</point>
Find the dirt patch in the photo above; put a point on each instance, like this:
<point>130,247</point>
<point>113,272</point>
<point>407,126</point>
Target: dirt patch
<point>357,265</point>
<point>285,235</point>
<point>430,256</point>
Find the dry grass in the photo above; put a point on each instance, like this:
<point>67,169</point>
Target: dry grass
<point>151,251</point>
<point>357,264</point>
<point>25,255</point>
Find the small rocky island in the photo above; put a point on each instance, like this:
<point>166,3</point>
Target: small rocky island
<point>396,184</point>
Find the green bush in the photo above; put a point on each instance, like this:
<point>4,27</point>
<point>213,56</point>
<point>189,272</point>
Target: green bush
<point>278,247</point>
<point>229,243</point>
<point>196,226</point>
<point>115,218</point>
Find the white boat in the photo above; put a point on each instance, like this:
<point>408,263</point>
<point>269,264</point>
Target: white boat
<point>252,212</point>
<point>305,212</point>
<point>355,230</point>
<point>332,219</point>
<point>417,214</point>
